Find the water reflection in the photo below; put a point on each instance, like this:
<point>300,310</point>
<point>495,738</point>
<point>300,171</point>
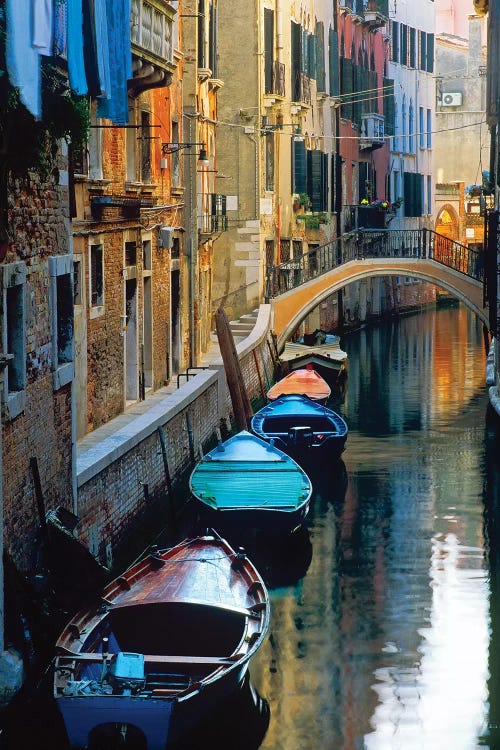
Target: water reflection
<point>385,644</point>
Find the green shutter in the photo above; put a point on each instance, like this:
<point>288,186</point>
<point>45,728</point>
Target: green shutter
<point>268,49</point>
<point>389,106</point>
<point>333,61</point>
<point>320,57</point>
<point>430,53</point>
<point>315,179</point>
<point>346,87</point>
<point>299,167</point>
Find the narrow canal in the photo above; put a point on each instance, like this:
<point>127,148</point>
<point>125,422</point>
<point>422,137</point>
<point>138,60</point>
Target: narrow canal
<point>385,626</point>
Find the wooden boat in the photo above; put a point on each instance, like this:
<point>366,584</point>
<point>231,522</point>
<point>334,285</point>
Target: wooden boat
<point>248,482</point>
<point>304,382</point>
<point>165,642</point>
<point>324,355</point>
<point>303,428</point>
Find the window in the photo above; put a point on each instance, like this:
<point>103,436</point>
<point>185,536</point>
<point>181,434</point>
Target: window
<point>130,254</point>
<point>61,298</point>
<point>394,41</point>
<point>77,282</point>
<point>130,148</point>
<point>96,276</point>
<point>13,311</point>
<point>413,47</point>
<point>269,143</point>
<point>268,49</point>
<point>421,133</point>
<point>403,123</point>
<point>429,128</point>
<point>429,194</point>
<point>175,158</point>
<point>411,129</point>
<point>145,147</point>
<point>413,194</point>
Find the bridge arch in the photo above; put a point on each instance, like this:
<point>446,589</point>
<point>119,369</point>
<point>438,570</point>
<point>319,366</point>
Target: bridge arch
<point>290,308</point>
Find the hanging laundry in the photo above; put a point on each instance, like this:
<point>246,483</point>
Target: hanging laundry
<point>23,60</point>
<point>114,106</point>
<point>96,50</point>
<point>43,19</point>
<point>61,29</point>
<point>76,64</point>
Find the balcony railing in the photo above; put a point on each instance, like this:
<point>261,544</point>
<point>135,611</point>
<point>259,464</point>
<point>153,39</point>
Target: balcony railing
<point>372,131</point>
<point>214,219</point>
<point>302,88</point>
<point>376,12</point>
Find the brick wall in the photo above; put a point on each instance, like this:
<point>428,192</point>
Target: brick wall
<point>38,228</point>
<point>111,483</point>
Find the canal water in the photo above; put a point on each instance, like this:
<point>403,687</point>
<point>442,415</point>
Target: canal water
<point>385,624</point>
<point>389,637</point>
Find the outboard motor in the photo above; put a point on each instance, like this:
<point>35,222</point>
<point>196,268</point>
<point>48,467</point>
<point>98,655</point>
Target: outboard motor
<point>300,436</point>
<point>125,673</point>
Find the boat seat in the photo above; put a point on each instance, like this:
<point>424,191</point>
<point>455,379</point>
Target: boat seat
<point>154,659</point>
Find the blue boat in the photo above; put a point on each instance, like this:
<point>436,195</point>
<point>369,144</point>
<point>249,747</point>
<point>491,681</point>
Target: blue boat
<point>246,482</point>
<point>306,430</point>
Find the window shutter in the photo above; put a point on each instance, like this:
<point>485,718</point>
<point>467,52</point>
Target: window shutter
<point>315,179</point>
<point>423,50</point>
<point>357,87</point>
<point>413,46</point>
<point>346,87</point>
<point>296,38</point>
<point>333,61</point>
<point>389,106</point>
<point>268,49</point>
<point>324,205</point>
<point>404,44</point>
<point>430,53</point>
<point>299,167</point>
<point>395,42</point>
<point>320,57</point>
<point>363,177</point>
<point>304,58</point>
<point>373,87</point>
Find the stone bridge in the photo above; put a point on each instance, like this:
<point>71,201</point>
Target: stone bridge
<point>298,285</point>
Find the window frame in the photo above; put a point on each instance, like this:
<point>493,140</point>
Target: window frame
<point>63,368</point>
<point>14,275</point>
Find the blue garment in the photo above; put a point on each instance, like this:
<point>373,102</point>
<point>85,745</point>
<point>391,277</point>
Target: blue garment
<point>76,64</point>
<point>61,29</point>
<point>114,106</point>
<point>23,60</point>
<point>101,33</point>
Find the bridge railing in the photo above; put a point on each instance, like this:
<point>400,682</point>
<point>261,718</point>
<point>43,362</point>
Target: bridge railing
<point>373,243</point>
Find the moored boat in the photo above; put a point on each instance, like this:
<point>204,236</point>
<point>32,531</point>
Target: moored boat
<point>303,428</point>
<point>323,354</point>
<point>303,382</point>
<point>164,643</point>
<point>248,482</point>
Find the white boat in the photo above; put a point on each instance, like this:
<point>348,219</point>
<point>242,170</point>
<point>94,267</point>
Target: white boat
<point>326,357</point>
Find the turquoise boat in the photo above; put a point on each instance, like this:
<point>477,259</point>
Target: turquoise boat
<point>246,482</point>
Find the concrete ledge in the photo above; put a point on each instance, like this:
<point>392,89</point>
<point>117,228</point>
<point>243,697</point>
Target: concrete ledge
<point>97,458</point>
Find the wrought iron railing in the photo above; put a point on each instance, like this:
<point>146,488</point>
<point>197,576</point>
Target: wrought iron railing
<point>366,243</point>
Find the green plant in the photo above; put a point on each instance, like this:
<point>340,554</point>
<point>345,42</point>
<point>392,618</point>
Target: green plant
<point>313,221</point>
<point>304,200</point>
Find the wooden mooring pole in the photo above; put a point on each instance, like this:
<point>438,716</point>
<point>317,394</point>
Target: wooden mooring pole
<point>242,408</point>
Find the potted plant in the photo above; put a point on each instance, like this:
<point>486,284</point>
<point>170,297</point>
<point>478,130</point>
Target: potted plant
<point>304,200</point>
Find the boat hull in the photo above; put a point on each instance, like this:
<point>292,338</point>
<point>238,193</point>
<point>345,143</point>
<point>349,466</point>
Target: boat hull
<point>159,721</point>
<point>246,483</point>
<point>164,642</point>
<point>308,432</point>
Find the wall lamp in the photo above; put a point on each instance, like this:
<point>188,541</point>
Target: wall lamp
<point>172,148</point>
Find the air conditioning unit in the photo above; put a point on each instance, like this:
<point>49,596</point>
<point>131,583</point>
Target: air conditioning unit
<point>166,237</point>
<point>451,99</point>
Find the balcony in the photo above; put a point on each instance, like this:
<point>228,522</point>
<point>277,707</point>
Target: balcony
<point>214,219</point>
<point>151,29</point>
<point>372,131</point>
<point>376,13</point>
<point>301,88</point>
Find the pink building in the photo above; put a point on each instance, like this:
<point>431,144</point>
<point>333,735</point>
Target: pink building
<point>452,17</point>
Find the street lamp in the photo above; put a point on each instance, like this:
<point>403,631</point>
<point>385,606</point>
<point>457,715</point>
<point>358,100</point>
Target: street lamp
<point>172,148</point>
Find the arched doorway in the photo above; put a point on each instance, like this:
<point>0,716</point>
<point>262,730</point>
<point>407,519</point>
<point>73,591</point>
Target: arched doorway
<point>447,223</point>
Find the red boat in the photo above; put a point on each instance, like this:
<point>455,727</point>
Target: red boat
<point>165,642</point>
<point>303,382</point>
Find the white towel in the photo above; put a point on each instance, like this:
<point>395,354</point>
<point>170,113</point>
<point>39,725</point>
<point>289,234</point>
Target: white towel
<point>43,11</point>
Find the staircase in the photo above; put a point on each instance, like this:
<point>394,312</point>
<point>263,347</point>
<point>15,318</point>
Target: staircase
<point>244,325</point>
